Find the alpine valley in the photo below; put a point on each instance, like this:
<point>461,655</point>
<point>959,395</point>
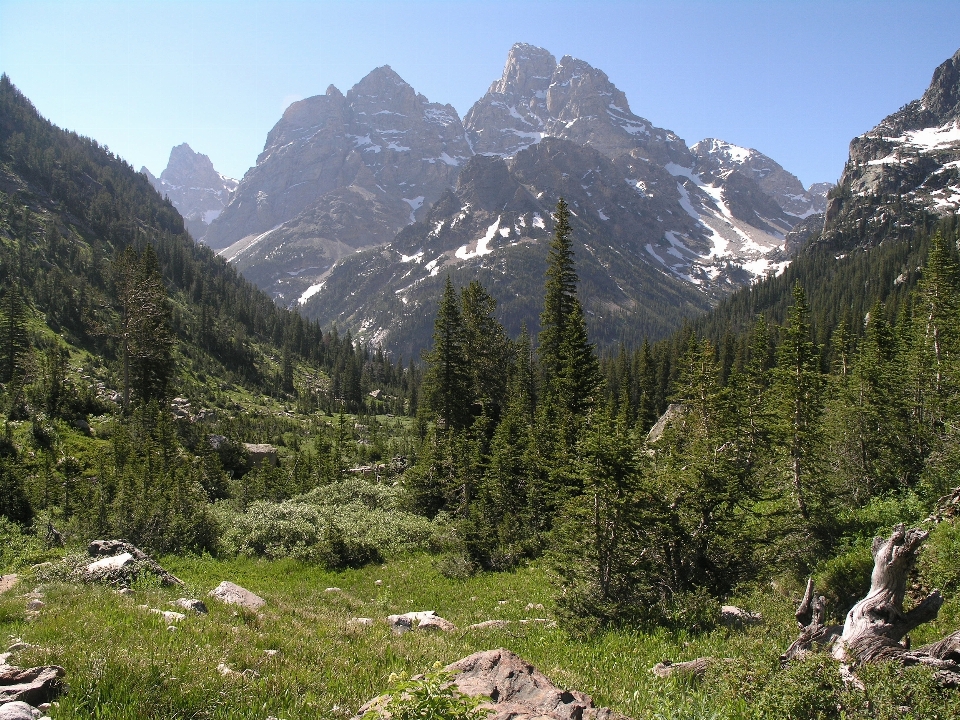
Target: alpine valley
<point>361,204</point>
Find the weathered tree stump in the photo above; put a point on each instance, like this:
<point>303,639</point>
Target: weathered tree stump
<point>814,635</point>
<point>875,627</point>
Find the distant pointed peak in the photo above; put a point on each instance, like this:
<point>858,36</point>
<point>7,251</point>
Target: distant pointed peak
<point>384,72</point>
<point>525,51</point>
<point>332,90</point>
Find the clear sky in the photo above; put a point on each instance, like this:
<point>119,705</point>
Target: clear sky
<point>795,79</point>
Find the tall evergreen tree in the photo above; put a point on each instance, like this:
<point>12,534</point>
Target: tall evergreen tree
<point>447,387</point>
<point>799,386</point>
<point>567,359</point>
<point>143,328</point>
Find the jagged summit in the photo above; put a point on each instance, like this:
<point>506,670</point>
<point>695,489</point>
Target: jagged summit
<point>351,183</point>
<point>196,189</point>
<point>719,159</point>
<point>908,165</point>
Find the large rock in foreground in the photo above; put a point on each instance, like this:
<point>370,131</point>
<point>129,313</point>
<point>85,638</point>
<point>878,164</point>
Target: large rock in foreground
<point>30,685</point>
<point>515,690</point>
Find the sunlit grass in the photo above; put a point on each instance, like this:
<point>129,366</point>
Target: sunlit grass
<point>122,661</point>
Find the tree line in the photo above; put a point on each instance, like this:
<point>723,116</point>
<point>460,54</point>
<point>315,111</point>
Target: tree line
<point>771,450</point>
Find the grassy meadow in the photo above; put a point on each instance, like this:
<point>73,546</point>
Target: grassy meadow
<point>122,662</point>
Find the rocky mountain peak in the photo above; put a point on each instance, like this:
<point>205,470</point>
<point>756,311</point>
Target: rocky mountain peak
<point>194,187</point>
<point>906,166</point>
<point>942,98</point>
<point>528,70</point>
<point>719,160</point>
<point>578,89</point>
<point>186,167</point>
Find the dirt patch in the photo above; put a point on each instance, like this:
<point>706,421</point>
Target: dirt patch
<point>7,582</point>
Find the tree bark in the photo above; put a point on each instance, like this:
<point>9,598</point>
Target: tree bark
<point>875,627</point>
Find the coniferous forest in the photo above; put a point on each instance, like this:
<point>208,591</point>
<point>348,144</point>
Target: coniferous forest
<point>639,487</point>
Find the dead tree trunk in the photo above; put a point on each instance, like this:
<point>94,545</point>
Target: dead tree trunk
<point>875,626</point>
<point>814,635</point>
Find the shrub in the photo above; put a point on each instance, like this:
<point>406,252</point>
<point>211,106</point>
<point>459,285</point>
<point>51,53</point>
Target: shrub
<point>432,696</point>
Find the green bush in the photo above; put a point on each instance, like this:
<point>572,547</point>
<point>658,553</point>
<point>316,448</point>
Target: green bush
<point>432,696</point>
<point>331,527</point>
<point>938,565</point>
<point>845,579</point>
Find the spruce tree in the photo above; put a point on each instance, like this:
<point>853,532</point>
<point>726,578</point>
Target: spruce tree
<point>568,361</point>
<point>447,383</point>
<point>799,387</point>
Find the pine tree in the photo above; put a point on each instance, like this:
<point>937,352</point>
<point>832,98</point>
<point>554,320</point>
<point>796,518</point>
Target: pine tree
<point>567,359</point>
<point>447,383</point>
<point>143,329</point>
<point>486,347</point>
<point>799,386</point>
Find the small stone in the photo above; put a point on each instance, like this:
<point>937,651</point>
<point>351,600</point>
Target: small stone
<point>534,606</point>
<point>125,591</point>
<point>196,606</point>
<point>110,563</point>
<point>488,624</point>
<point>169,616</point>
<point>35,605</point>
<point>171,628</point>
<point>271,653</point>
<point>502,602</point>
<point>333,589</point>
<point>378,582</point>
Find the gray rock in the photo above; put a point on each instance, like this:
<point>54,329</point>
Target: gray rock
<point>261,454</point>
<point>168,615</point>
<point>196,190</point>
<point>419,620</point>
<point>733,617</point>
<point>232,594</point>
<point>196,606</point>
<point>107,564</point>
<point>31,685</point>
<point>17,710</point>
<point>514,690</point>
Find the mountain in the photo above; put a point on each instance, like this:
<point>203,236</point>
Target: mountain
<point>902,171</point>
<point>197,191</point>
<point>342,174</point>
<point>495,227</point>
<point>720,159</point>
<point>338,173</point>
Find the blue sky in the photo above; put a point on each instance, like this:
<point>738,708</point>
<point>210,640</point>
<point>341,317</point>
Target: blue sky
<point>794,79</point>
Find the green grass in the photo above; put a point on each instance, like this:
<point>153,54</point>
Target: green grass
<point>122,662</point>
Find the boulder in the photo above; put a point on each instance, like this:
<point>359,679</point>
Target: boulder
<point>17,710</point>
<point>31,685</point>
<point>261,454</point>
<point>673,412</point>
<point>196,606</point>
<point>108,564</point>
<point>420,620</point>
<point>733,617</point>
<point>231,594</point>
<point>512,689</point>
<point>168,615</point>
<point>115,566</point>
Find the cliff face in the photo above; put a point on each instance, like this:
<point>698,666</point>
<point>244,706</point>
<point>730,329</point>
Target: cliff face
<point>905,167</point>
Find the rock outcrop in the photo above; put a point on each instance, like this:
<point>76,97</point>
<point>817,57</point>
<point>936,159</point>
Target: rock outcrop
<point>512,689</point>
<point>232,594</point>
